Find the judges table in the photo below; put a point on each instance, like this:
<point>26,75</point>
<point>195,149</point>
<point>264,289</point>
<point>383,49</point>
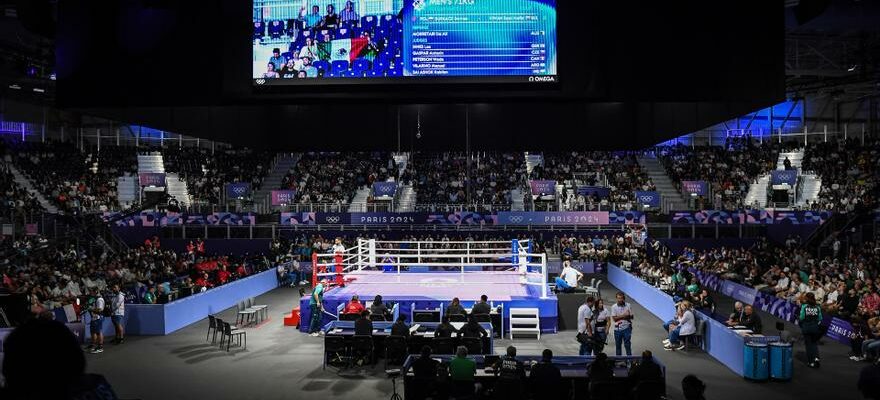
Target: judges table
<point>421,333</point>
<point>574,370</point>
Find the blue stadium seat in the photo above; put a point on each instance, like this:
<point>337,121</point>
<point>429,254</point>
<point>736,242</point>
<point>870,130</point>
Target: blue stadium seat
<point>323,32</point>
<point>321,65</point>
<point>375,74</point>
<point>388,21</point>
<point>305,34</point>
<point>339,65</point>
<point>287,55</point>
<point>259,30</point>
<point>368,22</point>
<point>358,74</point>
<point>360,64</point>
<point>380,64</point>
<point>276,29</point>
<point>343,33</point>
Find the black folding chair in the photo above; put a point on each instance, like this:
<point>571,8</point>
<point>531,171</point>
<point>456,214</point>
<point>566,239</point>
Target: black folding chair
<point>396,349</point>
<point>231,333</point>
<point>212,326</point>
<point>443,346</point>
<point>472,344</point>
<point>335,351</point>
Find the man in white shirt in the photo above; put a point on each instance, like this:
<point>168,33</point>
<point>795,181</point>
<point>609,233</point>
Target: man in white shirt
<point>96,311</point>
<point>568,279</point>
<point>621,315</point>
<point>585,314</point>
<point>118,307</point>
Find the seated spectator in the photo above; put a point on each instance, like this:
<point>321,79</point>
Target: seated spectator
<point>704,300</point>
<point>736,317</point>
<point>399,328</point>
<point>545,379</point>
<point>150,295</point>
<point>684,326</point>
<point>25,352</point>
<point>363,326</point>
<point>354,306</point>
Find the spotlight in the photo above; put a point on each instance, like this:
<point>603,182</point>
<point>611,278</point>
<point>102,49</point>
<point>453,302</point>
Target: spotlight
<point>852,68</point>
<point>38,90</point>
<point>14,86</point>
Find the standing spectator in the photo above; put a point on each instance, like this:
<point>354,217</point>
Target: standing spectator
<point>331,20</point>
<point>348,15</point>
<point>96,311</point>
<point>118,317</point>
<point>313,18</point>
<point>621,314</point>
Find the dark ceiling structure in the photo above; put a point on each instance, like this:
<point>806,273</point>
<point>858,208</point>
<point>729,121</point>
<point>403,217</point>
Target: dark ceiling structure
<point>630,78</point>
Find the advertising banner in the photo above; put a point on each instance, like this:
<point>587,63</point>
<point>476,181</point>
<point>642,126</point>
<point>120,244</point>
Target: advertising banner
<point>739,292</point>
<point>151,179</point>
<point>238,190</point>
<point>783,177</point>
<point>384,189</point>
<point>553,218</point>
<point>699,188</point>
<point>283,197</point>
<point>650,199</point>
<point>543,187</point>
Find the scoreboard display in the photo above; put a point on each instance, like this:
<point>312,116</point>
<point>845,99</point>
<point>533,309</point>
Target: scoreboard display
<point>299,42</point>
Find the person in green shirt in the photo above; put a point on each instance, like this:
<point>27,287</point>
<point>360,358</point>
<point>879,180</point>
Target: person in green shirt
<point>809,319</point>
<point>462,371</point>
<point>315,307</point>
<point>150,296</point>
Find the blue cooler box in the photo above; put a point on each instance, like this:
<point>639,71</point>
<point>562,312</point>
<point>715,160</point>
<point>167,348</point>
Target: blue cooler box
<point>756,361</point>
<point>781,361</point>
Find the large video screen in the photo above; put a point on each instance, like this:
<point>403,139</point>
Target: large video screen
<point>298,42</point>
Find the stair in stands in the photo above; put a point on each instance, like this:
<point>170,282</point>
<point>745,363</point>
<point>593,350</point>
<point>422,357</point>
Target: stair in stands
<point>407,201</point>
<point>283,164</point>
<point>25,183</point>
<point>796,157</point>
<point>127,190</point>
<point>359,201</point>
<point>757,194</point>
<point>517,201</point>
<point>672,199</point>
<point>175,186</point>
<point>533,160</point>
<point>525,321</point>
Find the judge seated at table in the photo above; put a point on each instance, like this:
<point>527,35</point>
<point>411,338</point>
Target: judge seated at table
<point>363,325</point>
<point>545,379</point>
<point>354,306</point>
<point>455,308</point>
<point>445,329</point>
<point>473,329</point>
<point>737,315</point>
<point>400,328</point>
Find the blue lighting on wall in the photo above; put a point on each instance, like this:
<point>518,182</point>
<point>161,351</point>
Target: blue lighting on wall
<point>786,115</point>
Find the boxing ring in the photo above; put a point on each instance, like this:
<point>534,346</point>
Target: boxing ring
<point>427,275</point>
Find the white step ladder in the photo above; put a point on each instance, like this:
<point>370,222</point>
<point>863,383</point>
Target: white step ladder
<point>525,321</point>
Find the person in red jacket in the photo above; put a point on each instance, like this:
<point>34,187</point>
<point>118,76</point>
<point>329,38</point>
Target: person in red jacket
<point>354,306</point>
<point>222,275</point>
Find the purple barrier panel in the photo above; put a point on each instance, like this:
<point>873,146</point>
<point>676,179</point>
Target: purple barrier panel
<point>739,292</point>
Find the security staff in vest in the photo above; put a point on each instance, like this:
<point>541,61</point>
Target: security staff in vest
<point>809,319</point>
<point>511,374</point>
